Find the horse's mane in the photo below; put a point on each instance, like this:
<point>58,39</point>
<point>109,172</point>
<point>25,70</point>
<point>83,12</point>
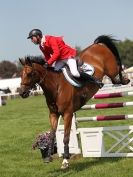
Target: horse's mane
<point>109,41</point>
<point>35,59</point>
<point>39,60</point>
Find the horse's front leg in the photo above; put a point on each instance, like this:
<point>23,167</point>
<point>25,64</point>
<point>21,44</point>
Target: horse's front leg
<point>67,128</point>
<point>54,121</point>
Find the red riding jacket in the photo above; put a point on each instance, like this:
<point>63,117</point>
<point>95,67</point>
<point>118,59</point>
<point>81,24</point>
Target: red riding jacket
<point>54,48</point>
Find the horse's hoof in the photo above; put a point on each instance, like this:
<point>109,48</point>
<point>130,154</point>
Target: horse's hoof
<point>47,159</point>
<point>65,164</point>
<point>125,81</point>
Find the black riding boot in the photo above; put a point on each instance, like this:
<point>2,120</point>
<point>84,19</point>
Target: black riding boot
<point>92,79</point>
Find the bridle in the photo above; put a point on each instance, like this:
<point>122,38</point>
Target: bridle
<point>42,79</point>
<point>33,84</point>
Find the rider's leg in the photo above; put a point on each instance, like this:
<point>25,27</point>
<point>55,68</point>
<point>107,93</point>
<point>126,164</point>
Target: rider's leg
<point>71,62</point>
<point>92,79</point>
<point>73,68</point>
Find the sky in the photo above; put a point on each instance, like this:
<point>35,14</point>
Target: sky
<point>79,21</point>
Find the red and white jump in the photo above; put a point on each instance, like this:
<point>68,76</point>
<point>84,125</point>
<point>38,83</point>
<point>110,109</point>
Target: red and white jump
<point>104,118</point>
<point>93,139</point>
<point>112,95</point>
<point>107,105</point>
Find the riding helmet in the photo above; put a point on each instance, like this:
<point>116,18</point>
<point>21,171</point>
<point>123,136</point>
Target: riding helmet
<point>34,32</point>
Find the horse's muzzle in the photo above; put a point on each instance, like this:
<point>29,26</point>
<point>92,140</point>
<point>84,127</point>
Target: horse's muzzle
<point>24,92</point>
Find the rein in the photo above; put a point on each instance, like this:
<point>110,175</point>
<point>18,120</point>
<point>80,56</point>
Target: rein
<point>41,80</point>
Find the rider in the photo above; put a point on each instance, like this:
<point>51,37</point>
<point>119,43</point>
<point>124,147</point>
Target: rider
<point>57,53</point>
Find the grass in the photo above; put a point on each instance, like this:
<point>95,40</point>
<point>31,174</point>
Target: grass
<point>22,120</point>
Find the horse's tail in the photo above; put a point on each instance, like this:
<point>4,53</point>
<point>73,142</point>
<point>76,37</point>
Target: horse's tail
<point>109,42</point>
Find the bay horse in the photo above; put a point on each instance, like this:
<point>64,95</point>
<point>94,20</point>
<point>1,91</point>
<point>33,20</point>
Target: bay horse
<point>62,98</point>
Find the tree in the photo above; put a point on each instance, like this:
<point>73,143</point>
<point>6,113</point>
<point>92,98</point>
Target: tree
<point>126,52</point>
<point>7,69</point>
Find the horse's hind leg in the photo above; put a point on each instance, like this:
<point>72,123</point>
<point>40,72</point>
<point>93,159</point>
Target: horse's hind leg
<point>116,74</point>
<point>67,127</point>
<point>121,78</point>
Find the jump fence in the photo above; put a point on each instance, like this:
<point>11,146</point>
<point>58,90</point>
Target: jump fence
<point>93,140</point>
<point>112,95</point>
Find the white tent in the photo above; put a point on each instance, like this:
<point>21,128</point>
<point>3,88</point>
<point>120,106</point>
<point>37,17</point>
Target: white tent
<point>12,84</point>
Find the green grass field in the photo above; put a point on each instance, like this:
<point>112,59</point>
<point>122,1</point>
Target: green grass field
<point>21,120</point>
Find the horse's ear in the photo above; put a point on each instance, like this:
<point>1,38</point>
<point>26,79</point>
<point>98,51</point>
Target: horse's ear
<point>22,61</point>
<point>28,61</point>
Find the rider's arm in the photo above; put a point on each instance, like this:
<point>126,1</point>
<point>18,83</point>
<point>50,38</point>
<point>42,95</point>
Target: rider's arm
<point>56,52</point>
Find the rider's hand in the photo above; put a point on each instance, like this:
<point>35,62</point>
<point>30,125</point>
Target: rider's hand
<point>46,65</point>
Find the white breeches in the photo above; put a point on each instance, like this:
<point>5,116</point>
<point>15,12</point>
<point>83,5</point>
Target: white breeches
<point>71,62</point>
<point>73,67</point>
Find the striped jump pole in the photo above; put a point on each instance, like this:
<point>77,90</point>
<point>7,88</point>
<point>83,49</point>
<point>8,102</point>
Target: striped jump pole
<point>106,105</point>
<point>112,95</point>
<point>104,118</point>
<point>92,139</point>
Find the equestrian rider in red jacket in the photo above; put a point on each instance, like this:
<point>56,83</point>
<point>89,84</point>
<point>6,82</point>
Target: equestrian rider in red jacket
<point>56,52</point>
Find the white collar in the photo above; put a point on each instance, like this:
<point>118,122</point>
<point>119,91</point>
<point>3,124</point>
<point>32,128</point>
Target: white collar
<point>43,40</point>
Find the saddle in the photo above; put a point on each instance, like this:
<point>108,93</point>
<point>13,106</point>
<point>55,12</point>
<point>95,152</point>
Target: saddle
<point>86,75</point>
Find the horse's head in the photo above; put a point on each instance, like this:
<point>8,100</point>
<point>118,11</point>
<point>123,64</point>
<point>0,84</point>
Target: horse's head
<point>29,78</point>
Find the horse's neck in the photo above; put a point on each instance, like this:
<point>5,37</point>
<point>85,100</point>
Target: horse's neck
<point>48,80</point>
